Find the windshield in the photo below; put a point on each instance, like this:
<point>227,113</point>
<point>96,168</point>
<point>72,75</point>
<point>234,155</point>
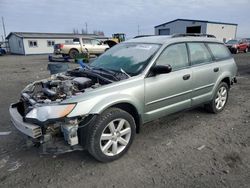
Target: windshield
<point>129,57</point>
<point>232,42</point>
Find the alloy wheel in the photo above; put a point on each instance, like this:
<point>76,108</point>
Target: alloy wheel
<point>221,98</point>
<point>115,137</point>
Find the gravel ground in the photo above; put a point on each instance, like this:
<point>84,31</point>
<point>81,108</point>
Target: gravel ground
<point>187,149</point>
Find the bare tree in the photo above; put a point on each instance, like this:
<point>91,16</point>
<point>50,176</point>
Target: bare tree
<point>84,31</point>
<point>98,32</point>
<point>75,31</point>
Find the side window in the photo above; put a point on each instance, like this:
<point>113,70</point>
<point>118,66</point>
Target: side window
<point>199,53</point>
<point>32,43</point>
<point>50,43</point>
<point>95,42</point>
<point>174,55</point>
<point>76,40</point>
<point>219,51</point>
<point>68,41</point>
<point>86,41</point>
<point>19,44</point>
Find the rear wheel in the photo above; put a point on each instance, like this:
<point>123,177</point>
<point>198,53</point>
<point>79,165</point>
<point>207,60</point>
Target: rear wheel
<point>73,53</point>
<point>111,135</point>
<point>246,50</point>
<point>219,100</point>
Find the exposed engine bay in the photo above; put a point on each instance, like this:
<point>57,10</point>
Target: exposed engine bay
<point>63,86</point>
<point>52,91</point>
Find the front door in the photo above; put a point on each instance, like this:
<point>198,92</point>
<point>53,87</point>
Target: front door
<point>97,47</point>
<point>171,92</point>
<point>87,44</point>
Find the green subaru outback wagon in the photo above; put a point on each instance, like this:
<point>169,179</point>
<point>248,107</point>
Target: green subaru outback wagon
<point>101,106</point>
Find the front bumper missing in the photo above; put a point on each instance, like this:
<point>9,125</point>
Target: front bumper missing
<point>48,144</point>
<point>31,130</point>
<point>57,146</point>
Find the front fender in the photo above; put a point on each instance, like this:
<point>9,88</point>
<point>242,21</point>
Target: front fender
<point>97,105</point>
<point>113,100</point>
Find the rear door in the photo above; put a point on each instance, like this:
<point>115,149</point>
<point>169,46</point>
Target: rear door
<point>169,93</point>
<point>205,72</point>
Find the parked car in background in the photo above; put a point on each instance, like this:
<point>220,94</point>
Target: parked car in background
<point>248,42</point>
<point>236,46</point>
<point>102,106</point>
<point>80,45</point>
<point>2,51</point>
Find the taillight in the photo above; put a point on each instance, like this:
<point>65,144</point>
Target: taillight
<point>61,46</point>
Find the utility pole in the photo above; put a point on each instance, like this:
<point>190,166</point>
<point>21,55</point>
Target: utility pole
<point>4,32</point>
<point>86,27</point>
<point>138,29</point>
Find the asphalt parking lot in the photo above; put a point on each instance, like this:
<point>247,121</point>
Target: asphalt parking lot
<point>188,149</point>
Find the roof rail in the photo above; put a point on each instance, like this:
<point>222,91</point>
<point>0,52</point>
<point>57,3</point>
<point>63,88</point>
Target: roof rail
<point>140,36</point>
<point>193,35</point>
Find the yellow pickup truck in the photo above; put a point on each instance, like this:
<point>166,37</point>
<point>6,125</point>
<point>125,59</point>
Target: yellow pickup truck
<point>80,45</point>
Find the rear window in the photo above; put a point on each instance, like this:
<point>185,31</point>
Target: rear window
<point>219,51</point>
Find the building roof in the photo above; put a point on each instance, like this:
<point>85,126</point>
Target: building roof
<point>52,35</point>
<point>203,21</point>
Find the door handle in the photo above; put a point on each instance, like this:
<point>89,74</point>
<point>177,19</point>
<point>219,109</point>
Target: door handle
<point>186,77</point>
<point>216,69</point>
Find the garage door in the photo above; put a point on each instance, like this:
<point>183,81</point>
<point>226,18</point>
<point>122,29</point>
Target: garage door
<point>164,31</point>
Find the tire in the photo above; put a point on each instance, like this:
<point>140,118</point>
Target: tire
<point>236,51</point>
<point>219,97</point>
<point>246,50</point>
<point>111,135</point>
<point>73,53</point>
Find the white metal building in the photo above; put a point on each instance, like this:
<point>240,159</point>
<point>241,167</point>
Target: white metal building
<point>222,31</point>
<point>27,43</point>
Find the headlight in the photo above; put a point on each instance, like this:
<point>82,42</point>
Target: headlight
<point>50,112</point>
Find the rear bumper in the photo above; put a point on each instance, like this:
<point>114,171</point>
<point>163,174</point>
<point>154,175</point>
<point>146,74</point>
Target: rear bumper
<point>31,130</point>
<point>232,49</point>
<point>234,80</point>
<point>58,51</point>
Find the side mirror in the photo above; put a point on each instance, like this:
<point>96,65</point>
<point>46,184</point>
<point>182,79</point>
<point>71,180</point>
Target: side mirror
<point>161,69</point>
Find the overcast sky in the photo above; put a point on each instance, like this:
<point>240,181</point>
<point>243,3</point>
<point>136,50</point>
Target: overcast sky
<point>113,16</point>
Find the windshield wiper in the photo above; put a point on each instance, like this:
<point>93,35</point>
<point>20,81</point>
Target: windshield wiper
<point>104,70</point>
<point>112,73</point>
<point>123,71</point>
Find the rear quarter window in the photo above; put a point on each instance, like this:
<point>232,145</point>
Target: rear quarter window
<point>219,51</point>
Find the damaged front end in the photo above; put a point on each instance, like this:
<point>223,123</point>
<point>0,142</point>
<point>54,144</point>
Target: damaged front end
<point>41,113</point>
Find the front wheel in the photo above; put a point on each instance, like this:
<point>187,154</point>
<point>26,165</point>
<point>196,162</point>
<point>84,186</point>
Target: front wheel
<point>111,135</point>
<point>219,100</point>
